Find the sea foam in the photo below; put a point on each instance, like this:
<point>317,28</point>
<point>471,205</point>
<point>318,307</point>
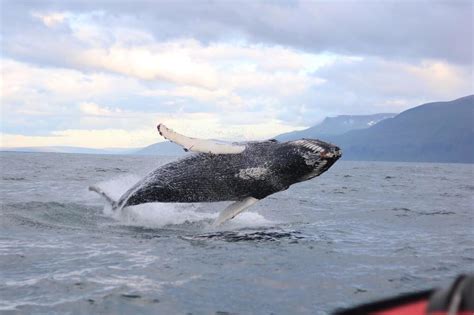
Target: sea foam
<point>156,215</point>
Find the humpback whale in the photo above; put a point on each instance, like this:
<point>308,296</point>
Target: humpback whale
<point>242,172</point>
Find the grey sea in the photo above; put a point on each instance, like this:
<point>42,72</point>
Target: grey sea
<point>361,231</point>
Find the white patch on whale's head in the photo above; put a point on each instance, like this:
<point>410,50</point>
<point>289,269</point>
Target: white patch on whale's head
<point>318,154</point>
<point>256,173</point>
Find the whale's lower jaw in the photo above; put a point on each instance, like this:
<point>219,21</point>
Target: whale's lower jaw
<point>318,170</point>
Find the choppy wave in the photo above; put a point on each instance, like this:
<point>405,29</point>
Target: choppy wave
<point>246,235</point>
<point>403,212</point>
<point>12,178</point>
<point>51,215</point>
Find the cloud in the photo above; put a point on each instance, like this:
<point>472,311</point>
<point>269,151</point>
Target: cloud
<point>95,110</point>
<point>51,19</point>
<point>49,96</point>
<point>212,74</point>
<point>34,85</point>
<point>224,74</point>
<point>401,30</point>
<point>171,65</point>
<point>378,85</point>
<point>67,107</point>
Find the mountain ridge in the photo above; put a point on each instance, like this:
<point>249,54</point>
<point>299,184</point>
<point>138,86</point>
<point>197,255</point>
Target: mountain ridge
<point>336,125</point>
<point>431,132</point>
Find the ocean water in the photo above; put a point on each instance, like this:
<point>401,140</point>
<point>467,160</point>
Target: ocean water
<point>361,231</point>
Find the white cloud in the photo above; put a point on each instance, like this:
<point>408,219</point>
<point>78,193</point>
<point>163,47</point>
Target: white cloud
<point>378,85</point>
<point>50,19</point>
<point>141,62</point>
<point>219,67</point>
<point>309,25</point>
<point>44,90</point>
<point>93,109</point>
<point>218,70</point>
<point>73,96</point>
<point>440,77</point>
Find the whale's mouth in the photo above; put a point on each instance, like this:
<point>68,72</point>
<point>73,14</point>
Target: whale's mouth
<point>334,153</point>
<point>317,154</point>
<point>325,150</point>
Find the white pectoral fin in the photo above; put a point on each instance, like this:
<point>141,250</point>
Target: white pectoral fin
<point>199,145</point>
<point>234,209</point>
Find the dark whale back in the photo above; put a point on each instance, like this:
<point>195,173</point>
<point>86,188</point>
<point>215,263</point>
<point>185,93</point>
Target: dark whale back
<point>263,168</point>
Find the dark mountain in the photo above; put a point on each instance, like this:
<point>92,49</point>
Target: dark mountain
<point>433,132</point>
<point>336,125</point>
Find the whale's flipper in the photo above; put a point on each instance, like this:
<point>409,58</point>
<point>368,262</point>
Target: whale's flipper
<point>234,209</point>
<point>112,202</point>
<point>200,145</point>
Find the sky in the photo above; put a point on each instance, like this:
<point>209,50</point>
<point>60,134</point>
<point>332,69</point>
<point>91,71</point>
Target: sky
<point>103,74</point>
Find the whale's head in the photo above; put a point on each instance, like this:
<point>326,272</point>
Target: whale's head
<point>318,156</point>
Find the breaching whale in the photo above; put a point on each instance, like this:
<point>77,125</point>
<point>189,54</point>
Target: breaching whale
<point>243,172</point>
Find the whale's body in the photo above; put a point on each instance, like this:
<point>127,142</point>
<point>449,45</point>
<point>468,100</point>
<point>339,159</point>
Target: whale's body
<point>243,173</point>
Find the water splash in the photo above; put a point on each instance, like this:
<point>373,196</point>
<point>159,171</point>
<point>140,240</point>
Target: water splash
<point>116,187</point>
<point>158,215</point>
